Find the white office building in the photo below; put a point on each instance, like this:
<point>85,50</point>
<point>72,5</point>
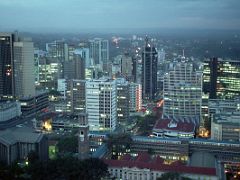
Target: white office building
<point>182,90</point>
<point>99,50</point>
<point>101,104</point>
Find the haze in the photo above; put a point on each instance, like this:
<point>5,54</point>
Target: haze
<point>106,15</point>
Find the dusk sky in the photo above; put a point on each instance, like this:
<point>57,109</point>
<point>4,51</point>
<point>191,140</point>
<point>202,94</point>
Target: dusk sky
<point>74,15</point>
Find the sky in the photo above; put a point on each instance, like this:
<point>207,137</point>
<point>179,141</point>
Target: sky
<point>75,15</point>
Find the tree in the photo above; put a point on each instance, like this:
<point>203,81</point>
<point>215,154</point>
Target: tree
<point>32,157</point>
<point>68,168</point>
<point>145,124</point>
<point>172,176</point>
<point>68,145</point>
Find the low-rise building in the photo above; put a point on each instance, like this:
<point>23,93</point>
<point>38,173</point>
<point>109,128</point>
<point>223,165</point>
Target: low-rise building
<point>16,143</point>
<point>9,110</point>
<point>143,167</point>
<point>34,104</point>
<point>176,129</point>
<point>226,126</point>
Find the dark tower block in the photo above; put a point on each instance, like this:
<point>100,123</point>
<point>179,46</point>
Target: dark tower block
<point>83,139</point>
<point>6,65</point>
<point>149,71</point>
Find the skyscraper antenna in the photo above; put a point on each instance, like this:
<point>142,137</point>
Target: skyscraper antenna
<point>183,55</point>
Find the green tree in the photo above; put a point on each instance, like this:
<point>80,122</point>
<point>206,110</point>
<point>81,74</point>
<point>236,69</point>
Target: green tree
<point>32,157</point>
<point>68,168</point>
<point>145,124</point>
<point>172,176</point>
<point>68,145</point>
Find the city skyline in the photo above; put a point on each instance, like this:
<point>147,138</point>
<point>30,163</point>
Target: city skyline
<point>113,15</point>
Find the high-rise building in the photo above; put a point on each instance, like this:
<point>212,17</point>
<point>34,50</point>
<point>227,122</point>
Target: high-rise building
<point>122,100</point>
<point>149,71</point>
<point>79,66</point>
<point>135,97</point>
<point>58,53</point>
<point>182,92</point>
<point>6,65</point>
<point>99,51</point>
<point>62,88</point>
<point>77,96</point>
<point>126,66</point>
<point>16,66</point>
<point>84,53</point>
<point>161,56</point>
<point>24,68</point>
<point>38,55</point>
<point>101,104</point>
<point>221,78</point>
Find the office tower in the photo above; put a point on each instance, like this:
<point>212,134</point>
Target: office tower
<point>6,65</point>
<point>24,68</point>
<point>16,66</point>
<point>48,73</point>
<point>38,55</point>
<point>161,56</point>
<point>182,92</point>
<point>101,104</point>
<point>75,69</point>
<point>135,97</point>
<point>99,51</point>
<point>76,99</point>
<point>58,53</point>
<point>79,66</point>
<point>71,50</point>
<point>122,100</point>
<point>62,88</point>
<point>57,50</point>
<point>221,78</point>
<point>84,53</point>
<point>126,66</point>
<point>134,69</point>
<point>149,71</point>
<point>116,66</point>
<point>83,140</point>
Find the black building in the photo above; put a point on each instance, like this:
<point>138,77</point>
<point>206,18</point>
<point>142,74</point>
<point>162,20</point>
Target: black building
<point>221,78</point>
<point>6,65</point>
<point>149,71</point>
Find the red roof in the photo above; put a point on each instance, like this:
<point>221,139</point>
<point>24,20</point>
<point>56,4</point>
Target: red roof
<point>161,167</point>
<point>163,124</point>
<point>177,163</point>
<point>143,157</point>
<point>158,160</point>
<point>126,157</point>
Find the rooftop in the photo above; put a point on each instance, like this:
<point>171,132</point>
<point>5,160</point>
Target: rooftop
<point>20,134</point>
<point>143,161</point>
<point>168,124</point>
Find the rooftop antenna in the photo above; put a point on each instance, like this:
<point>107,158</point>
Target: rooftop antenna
<point>183,55</point>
